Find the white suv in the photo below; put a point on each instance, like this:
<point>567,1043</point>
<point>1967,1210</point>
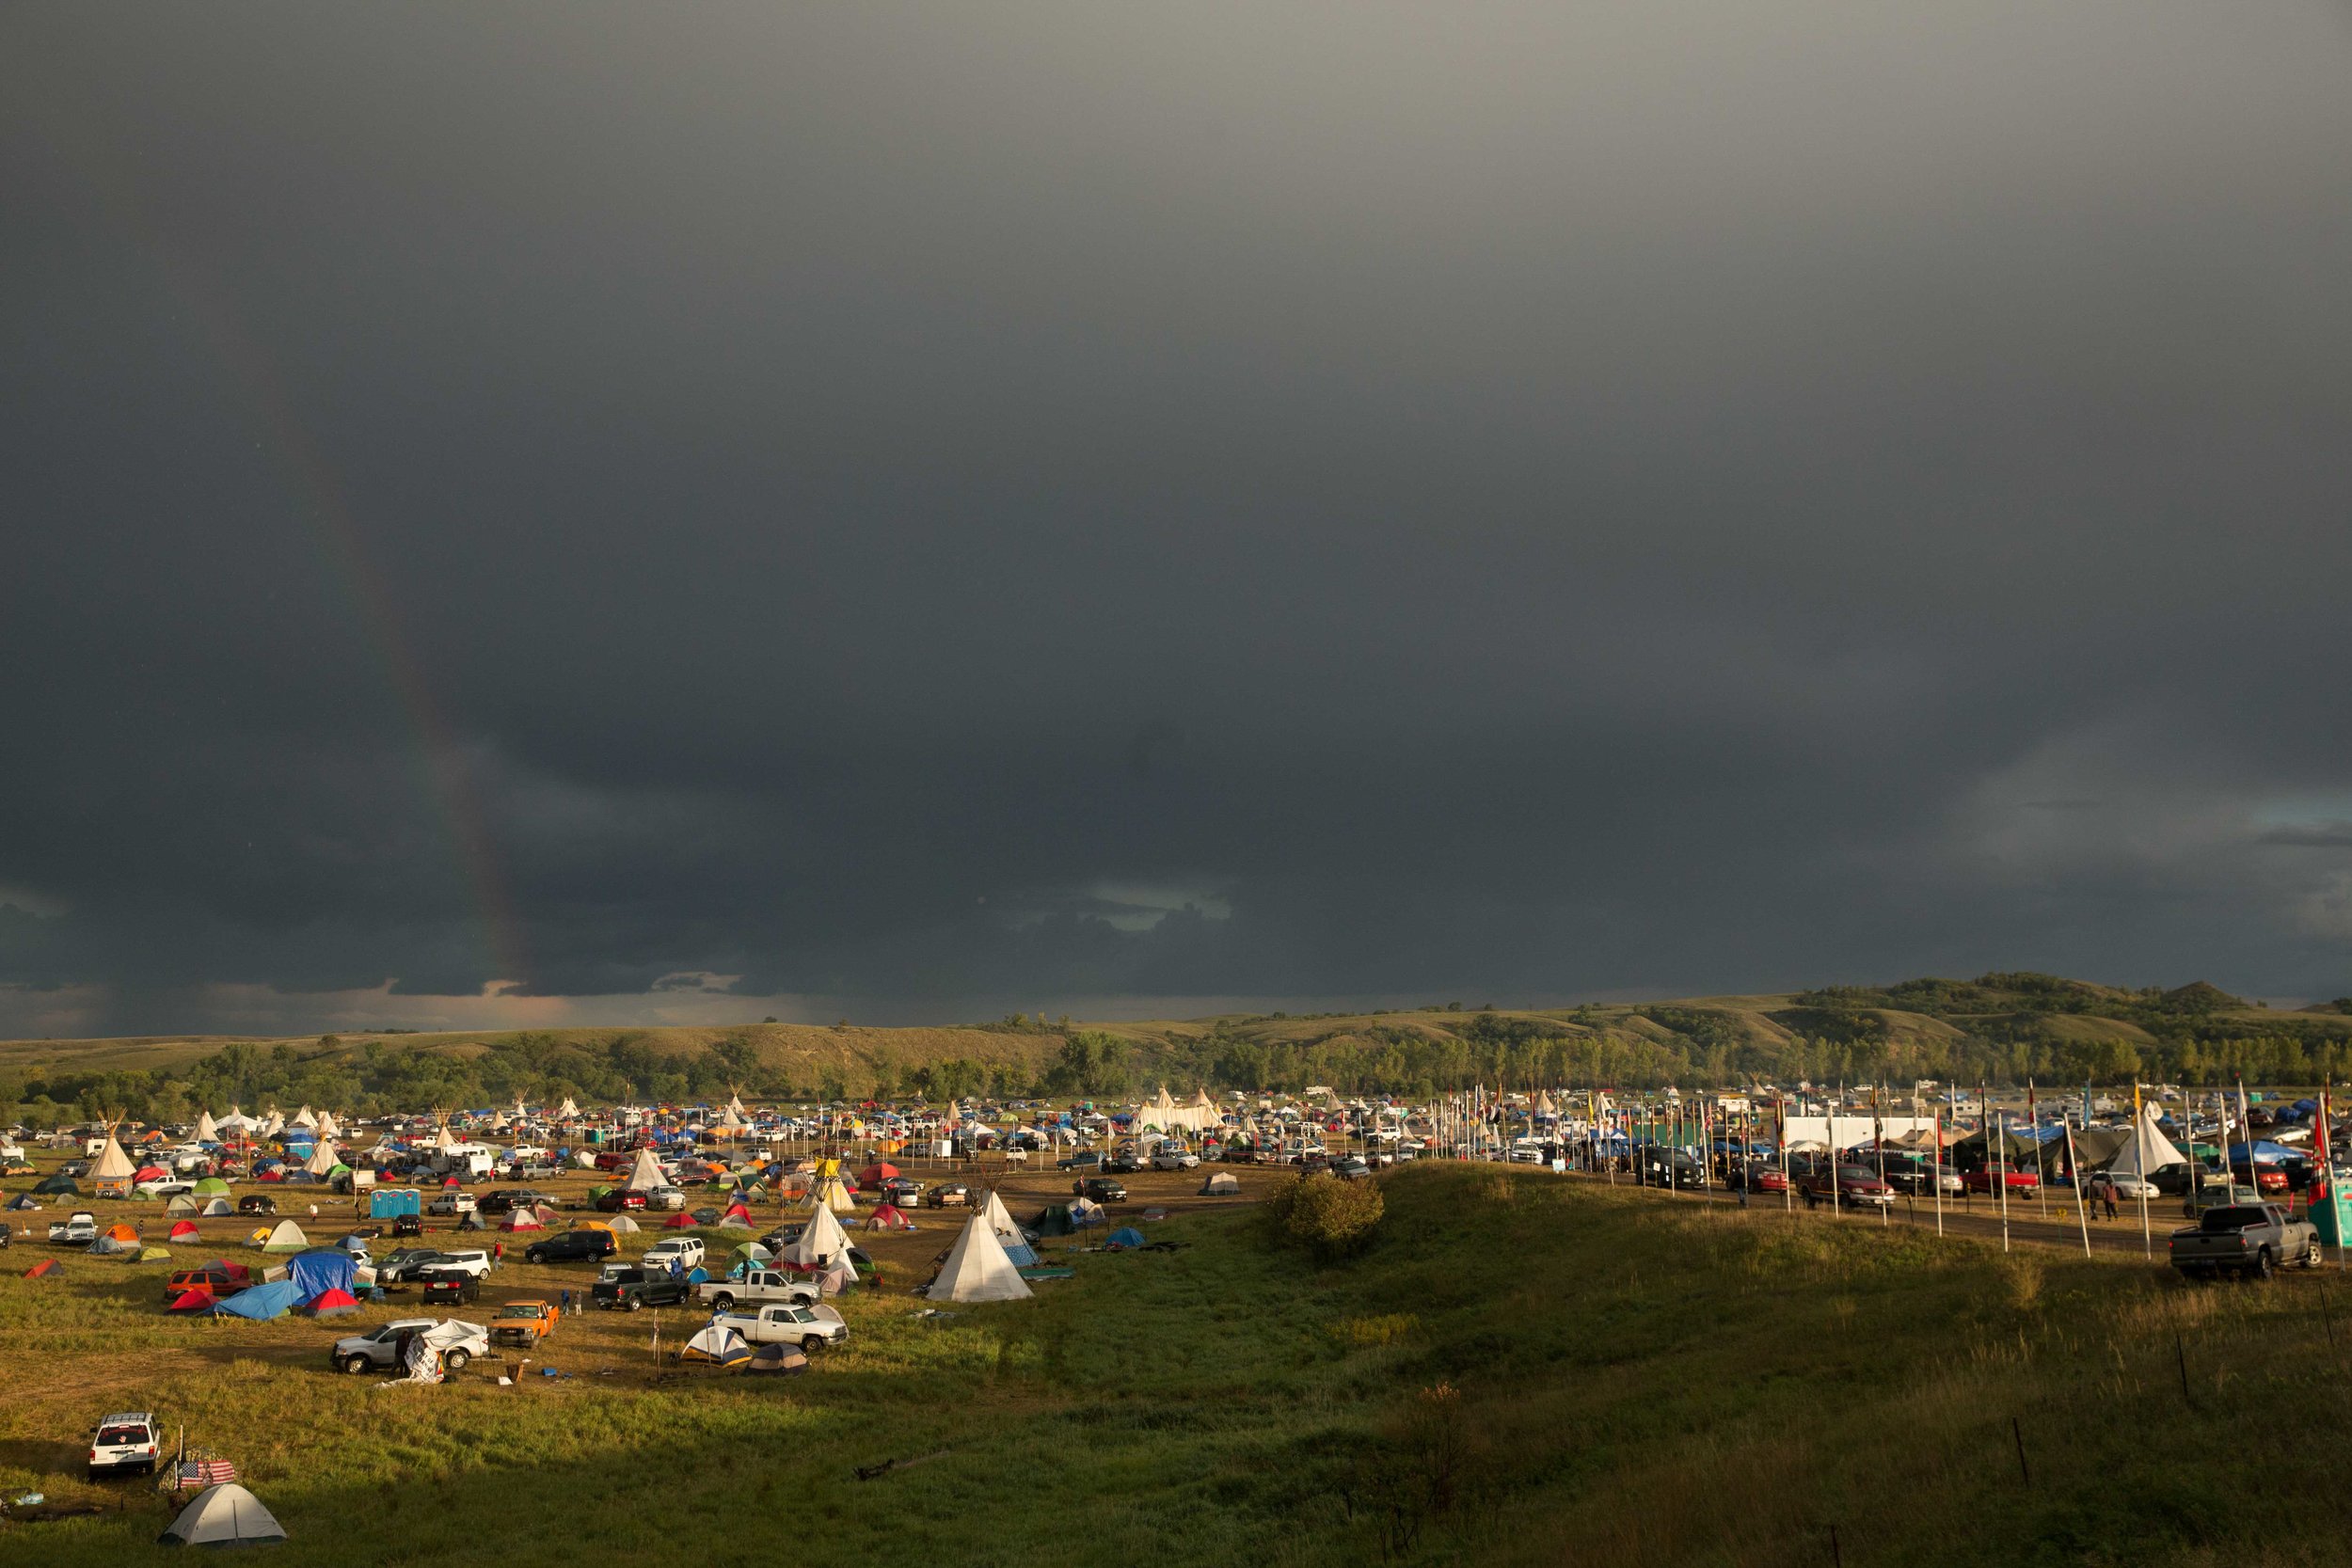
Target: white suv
<point>451,1203</point>
<point>688,1250</point>
<point>123,1442</point>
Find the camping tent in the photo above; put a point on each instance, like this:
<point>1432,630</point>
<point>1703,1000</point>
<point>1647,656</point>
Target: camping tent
<point>180,1204</point>
<point>191,1301</point>
<point>520,1218</point>
<point>645,1174</point>
<point>22,1204</point>
<point>274,1299</point>
<point>819,1240</point>
<point>334,1303</point>
<point>316,1273</point>
<point>60,1186</point>
<point>114,1172</point>
<point>184,1231</point>
<point>285,1237</point>
<point>214,1207</point>
<point>1222,1183</point>
<point>835,1197</point>
<point>223,1515</point>
<point>212,1186</point>
<point>1125,1238</point>
<point>718,1345</point>
<point>48,1268</point>
<point>976,1269</point>
<point>621,1225</point>
<point>888,1217</point>
<point>153,1255</point>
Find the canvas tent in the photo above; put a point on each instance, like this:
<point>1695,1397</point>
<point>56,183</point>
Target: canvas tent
<point>205,1131</point>
<point>223,1515</point>
<point>112,1173</point>
<point>820,1239</point>
<point>1221,1183</point>
<point>2147,1151</point>
<point>835,1197</point>
<point>1009,1236</point>
<point>645,1174</point>
<point>976,1269</point>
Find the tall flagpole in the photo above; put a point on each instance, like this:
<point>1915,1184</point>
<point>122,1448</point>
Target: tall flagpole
<point>2140,1157</point>
<point>2000,1164</point>
<point>1935,1166</point>
<point>2082,1211</point>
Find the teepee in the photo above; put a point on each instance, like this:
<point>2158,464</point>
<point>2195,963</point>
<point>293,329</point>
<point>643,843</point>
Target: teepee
<point>1008,1235</point>
<point>304,1118</point>
<point>329,1126</point>
<point>2148,1149</point>
<point>977,1270</point>
<point>833,1196</point>
<point>206,1132</point>
<point>820,1239</point>
<point>645,1174</point>
<point>567,1110</point>
<point>323,1159</point>
<point>114,1171</point>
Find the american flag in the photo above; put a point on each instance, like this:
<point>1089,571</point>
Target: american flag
<point>196,1474</point>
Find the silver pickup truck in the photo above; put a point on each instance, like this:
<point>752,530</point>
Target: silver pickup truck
<point>2246,1238</point>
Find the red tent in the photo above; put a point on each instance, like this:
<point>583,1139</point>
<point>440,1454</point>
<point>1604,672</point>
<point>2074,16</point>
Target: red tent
<point>328,1302</point>
<point>184,1231</point>
<point>875,1175</point>
<point>888,1217</point>
<point>191,1301</point>
<point>733,1210</point>
<point>149,1173</point>
<point>678,1221</point>
<point>46,1266</point>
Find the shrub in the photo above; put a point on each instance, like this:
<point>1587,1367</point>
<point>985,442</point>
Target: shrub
<point>1330,1218</point>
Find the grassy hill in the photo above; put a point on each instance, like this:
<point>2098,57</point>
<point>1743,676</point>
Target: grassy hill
<point>1521,1369</point>
<point>2000,1028</point>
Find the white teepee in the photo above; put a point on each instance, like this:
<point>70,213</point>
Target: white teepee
<point>820,1239</point>
<point>206,1132</point>
<point>2148,1149</point>
<point>323,1159</point>
<point>977,1270</point>
<point>645,1174</point>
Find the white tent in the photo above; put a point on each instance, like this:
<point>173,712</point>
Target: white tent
<point>275,1125</point>
<point>568,1109</point>
<point>977,1270</point>
<point>2148,1149</point>
<point>285,1236</point>
<point>621,1225</point>
<point>832,1198</point>
<point>323,1159</point>
<point>206,1132</point>
<point>329,1126</point>
<point>717,1343</point>
<point>1008,1235</point>
<point>113,1167</point>
<point>820,1239</point>
<point>645,1174</point>
<point>304,1118</point>
<point>223,1515</point>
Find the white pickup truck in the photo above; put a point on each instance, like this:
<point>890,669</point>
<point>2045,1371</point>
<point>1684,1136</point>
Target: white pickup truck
<point>810,1327</point>
<point>756,1286</point>
<point>81,1230</point>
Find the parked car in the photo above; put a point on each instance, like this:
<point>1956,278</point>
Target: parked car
<point>2016,1179</point>
<point>948,1194</point>
<point>620,1200</point>
<point>1100,1189</point>
<point>127,1440</point>
<point>756,1286</point>
<point>445,1287</point>
<point>1085,1159</point>
<point>669,1200</point>
<point>171,1188</point>
<point>257,1203</point>
<point>687,1251</point>
<point>1919,1178</point>
<point>523,1323</point>
<point>1121,1164</point>
<point>80,1229</point>
<point>571,1246</point>
<point>406,1224</point>
<point>1855,1184</point>
<point>1760,1178</point>
<point>453,1203</point>
<point>380,1349</point>
<point>2248,1240</point>
<point>1173,1156</point>
<point>901,1190</point>
<point>628,1290</point>
<point>811,1327</point>
<point>216,1282</point>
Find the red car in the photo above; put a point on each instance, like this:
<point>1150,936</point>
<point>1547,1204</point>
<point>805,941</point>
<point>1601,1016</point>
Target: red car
<point>1766,1178</point>
<point>1856,1184</point>
<point>2267,1178</point>
<point>615,1202</point>
<point>1980,1180</point>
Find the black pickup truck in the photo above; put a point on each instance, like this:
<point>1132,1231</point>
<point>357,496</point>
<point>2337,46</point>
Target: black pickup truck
<point>2246,1238</point>
<point>628,1290</point>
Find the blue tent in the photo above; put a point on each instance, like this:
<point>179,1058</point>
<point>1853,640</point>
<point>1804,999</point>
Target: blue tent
<point>273,1300</point>
<point>315,1273</point>
<point>2265,1153</point>
<point>1125,1238</point>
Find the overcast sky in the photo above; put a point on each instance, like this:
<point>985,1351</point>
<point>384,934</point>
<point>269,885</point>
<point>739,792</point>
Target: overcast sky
<point>915,512</point>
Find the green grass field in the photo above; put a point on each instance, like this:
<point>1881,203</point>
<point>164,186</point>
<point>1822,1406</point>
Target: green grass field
<point>1522,1369</point>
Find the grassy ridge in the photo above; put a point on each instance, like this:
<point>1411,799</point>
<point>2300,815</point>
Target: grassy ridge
<point>1522,1369</point>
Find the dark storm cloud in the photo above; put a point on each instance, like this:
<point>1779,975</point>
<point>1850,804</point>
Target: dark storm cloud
<point>934,507</point>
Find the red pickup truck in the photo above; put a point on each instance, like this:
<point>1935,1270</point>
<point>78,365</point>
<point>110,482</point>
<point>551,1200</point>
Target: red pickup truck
<point>1980,1180</point>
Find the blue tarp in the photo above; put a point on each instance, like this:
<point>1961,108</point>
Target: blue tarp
<point>313,1273</point>
<point>273,1300</point>
<point>2265,1153</point>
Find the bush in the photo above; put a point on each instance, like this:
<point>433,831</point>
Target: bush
<point>1330,1218</point>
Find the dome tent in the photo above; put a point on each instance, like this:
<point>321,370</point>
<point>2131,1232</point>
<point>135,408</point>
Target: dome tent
<point>223,1515</point>
<point>718,1345</point>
